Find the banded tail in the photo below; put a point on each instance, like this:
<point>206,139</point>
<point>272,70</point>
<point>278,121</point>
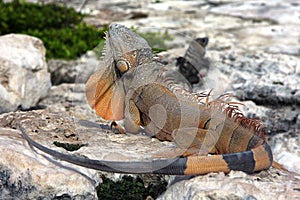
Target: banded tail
<point>256,159</point>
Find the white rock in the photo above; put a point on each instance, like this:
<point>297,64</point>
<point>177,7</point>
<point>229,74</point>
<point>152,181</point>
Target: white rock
<point>26,174</point>
<point>235,185</point>
<point>23,72</point>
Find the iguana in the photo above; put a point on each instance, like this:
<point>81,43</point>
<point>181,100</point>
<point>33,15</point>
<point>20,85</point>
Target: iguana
<point>194,63</point>
<point>130,86</point>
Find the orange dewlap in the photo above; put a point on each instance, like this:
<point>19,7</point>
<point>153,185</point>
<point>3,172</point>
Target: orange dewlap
<point>103,96</point>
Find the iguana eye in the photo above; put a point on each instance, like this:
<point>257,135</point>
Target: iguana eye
<point>122,66</point>
<point>134,53</point>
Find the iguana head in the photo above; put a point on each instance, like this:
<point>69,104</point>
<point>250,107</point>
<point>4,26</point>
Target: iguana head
<point>124,50</point>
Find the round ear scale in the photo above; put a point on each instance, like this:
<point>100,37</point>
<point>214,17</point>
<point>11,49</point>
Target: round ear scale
<point>122,66</point>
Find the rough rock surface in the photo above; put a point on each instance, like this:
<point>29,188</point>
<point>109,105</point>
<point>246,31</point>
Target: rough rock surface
<point>33,176</point>
<point>77,71</point>
<point>271,82</point>
<point>23,72</point>
<point>254,51</point>
<point>36,177</point>
<point>237,185</point>
<point>27,173</point>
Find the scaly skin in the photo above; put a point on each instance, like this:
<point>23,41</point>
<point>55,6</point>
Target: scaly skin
<point>129,85</point>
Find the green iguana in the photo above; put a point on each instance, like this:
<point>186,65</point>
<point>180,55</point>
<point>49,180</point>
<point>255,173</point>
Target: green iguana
<point>129,85</point>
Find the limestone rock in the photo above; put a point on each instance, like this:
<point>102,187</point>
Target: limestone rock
<point>27,173</point>
<point>76,71</point>
<point>271,10</point>
<point>272,23</point>
<point>261,77</point>
<point>69,97</point>
<point>40,175</point>
<point>269,81</point>
<point>237,185</point>
<point>286,150</point>
<point>253,48</point>
<point>23,72</point>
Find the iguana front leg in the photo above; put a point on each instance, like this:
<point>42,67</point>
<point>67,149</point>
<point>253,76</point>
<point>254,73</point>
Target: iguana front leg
<point>117,126</point>
<point>132,120</point>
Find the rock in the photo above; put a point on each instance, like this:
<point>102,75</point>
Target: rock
<point>269,36</point>
<point>76,71</point>
<point>69,97</point>
<point>105,16</point>
<point>270,184</point>
<point>24,79</point>
<point>274,11</point>
<point>267,85</point>
<point>254,52</point>
<point>260,77</point>
<point>27,173</point>
<point>38,175</point>
<point>268,81</point>
<point>275,85</point>
<point>286,150</point>
<point>270,39</point>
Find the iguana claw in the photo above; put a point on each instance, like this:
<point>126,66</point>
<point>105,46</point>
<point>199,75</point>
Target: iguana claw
<point>116,126</point>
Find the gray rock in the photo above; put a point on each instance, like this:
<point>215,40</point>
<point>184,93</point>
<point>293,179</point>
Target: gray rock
<point>73,93</point>
<point>251,44</point>
<point>71,98</point>
<point>75,71</point>
<point>237,185</point>
<point>274,11</point>
<point>29,173</point>
<point>26,174</point>
<point>23,72</point>
<point>267,80</point>
<point>272,21</point>
<point>270,38</point>
<point>286,150</point>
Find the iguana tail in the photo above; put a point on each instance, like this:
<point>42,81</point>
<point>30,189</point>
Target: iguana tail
<point>250,161</point>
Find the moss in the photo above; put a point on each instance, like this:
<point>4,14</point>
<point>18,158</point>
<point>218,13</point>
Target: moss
<point>68,146</point>
<point>156,40</point>
<point>129,188</point>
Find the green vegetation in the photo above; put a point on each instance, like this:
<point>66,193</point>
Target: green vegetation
<point>60,28</point>
<point>156,40</point>
<point>68,147</point>
<point>129,188</point>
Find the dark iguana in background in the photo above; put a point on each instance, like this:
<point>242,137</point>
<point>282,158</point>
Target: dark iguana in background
<point>193,64</point>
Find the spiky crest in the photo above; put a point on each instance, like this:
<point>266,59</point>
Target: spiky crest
<point>222,102</point>
<point>232,111</point>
